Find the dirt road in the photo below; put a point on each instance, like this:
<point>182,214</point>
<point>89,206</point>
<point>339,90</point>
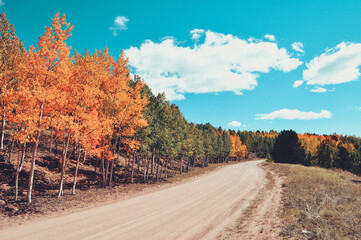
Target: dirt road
<point>197,209</point>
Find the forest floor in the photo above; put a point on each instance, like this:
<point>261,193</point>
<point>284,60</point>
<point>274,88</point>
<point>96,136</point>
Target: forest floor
<point>178,210</point>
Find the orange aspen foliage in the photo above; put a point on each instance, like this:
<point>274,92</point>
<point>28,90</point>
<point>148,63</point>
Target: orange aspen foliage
<point>42,72</point>
<point>87,100</point>
<point>310,142</point>
<point>11,49</point>
<point>238,149</point>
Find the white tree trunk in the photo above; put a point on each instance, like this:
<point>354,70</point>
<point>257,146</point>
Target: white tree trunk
<point>61,190</point>
<point>76,172</point>
<point>32,168</point>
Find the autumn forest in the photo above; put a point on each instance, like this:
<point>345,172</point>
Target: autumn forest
<point>62,109</point>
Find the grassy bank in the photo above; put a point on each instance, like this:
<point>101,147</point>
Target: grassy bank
<point>320,203</point>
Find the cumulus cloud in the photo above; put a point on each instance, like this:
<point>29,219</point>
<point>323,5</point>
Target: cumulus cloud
<point>337,65</point>
<point>119,24</point>
<point>234,124</point>
<point>1,3</point>
<point>270,37</point>
<point>196,33</point>
<point>297,83</point>
<point>298,46</point>
<point>319,90</point>
<point>218,63</point>
<point>292,114</point>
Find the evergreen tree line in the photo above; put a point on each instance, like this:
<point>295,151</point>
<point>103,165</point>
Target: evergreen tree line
<point>327,151</point>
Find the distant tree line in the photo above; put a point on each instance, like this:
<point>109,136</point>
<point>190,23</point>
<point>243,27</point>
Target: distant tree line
<point>327,151</point>
<point>258,143</point>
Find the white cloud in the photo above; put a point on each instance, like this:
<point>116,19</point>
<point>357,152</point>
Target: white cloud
<point>319,90</point>
<point>337,65</point>
<point>234,124</point>
<point>270,37</point>
<point>196,33</point>
<point>297,83</point>
<point>297,46</point>
<point>238,92</point>
<point>292,114</point>
<point>1,3</point>
<point>119,24</point>
<point>218,63</point>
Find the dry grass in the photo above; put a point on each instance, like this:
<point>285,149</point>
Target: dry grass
<point>320,203</point>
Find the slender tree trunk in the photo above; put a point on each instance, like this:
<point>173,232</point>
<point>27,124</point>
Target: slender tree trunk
<point>103,171</point>
<point>11,149</point>
<point>156,168</point>
<point>51,141</point>
<point>148,165</point>
<point>133,166</point>
<point>56,143</point>
<point>111,172</point>
<point>145,168</point>
<point>64,143</point>
<point>17,178</point>
<point>63,162</point>
<point>106,172</point>
<point>171,167</point>
<point>161,169</point>
<point>181,165</point>
<point>23,152</point>
<point>153,157</point>
<point>76,172</point>
<point>18,170</point>
<point>84,158</point>
<point>32,168</point>
<point>174,167</point>
<point>166,168</point>
<point>3,129</point>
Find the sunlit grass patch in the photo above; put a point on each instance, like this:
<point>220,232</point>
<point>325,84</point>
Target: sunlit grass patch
<point>320,203</point>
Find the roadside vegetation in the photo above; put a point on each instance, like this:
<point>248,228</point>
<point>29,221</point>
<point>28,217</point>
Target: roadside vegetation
<point>320,203</point>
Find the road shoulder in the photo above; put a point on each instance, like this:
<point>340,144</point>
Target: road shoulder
<point>260,220</point>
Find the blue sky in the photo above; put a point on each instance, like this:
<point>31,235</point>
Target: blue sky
<point>229,63</point>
